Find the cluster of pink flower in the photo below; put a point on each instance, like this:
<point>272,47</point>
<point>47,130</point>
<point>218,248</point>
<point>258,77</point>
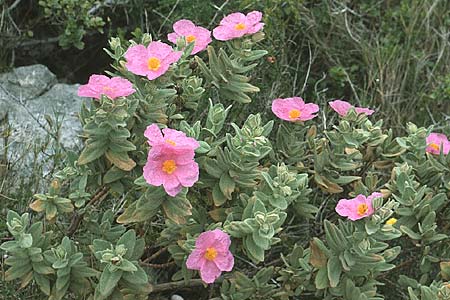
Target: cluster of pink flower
<point>296,110</point>
<point>155,59</point>
<point>171,161</point>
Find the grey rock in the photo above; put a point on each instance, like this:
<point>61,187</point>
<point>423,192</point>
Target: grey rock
<point>27,82</point>
<point>176,297</point>
<point>36,106</point>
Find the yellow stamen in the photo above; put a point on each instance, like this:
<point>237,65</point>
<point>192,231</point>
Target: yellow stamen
<point>169,141</point>
<point>169,166</point>
<point>190,38</point>
<point>391,221</point>
<point>153,63</point>
<point>210,253</point>
<point>107,89</point>
<point>240,26</point>
<point>362,209</point>
<point>294,114</point>
<point>434,146</point>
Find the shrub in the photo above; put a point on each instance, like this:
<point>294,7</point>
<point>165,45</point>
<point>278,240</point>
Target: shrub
<point>256,205</point>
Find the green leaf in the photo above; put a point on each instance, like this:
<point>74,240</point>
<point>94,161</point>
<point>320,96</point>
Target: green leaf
<point>177,208</point>
<point>108,281</point>
<point>128,239</point>
<point>227,185</point>
<point>334,270</point>
<point>92,151</point>
<point>321,280</point>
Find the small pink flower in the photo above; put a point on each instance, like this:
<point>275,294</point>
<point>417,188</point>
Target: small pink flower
<point>342,108</point>
<point>112,88</point>
<point>211,255</point>
<point>236,25</point>
<point>357,208</point>
<point>436,142</point>
<point>152,61</point>
<point>192,33</point>
<point>294,109</point>
<point>170,161</point>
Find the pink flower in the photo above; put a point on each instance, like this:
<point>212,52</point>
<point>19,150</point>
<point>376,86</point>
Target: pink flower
<point>211,255</point>
<point>152,61</point>
<point>170,161</point>
<point>342,108</point>
<point>357,208</point>
<point>294,109</point>
<point>236,25</point>
<point>192,33</point>
<point>436,142</point>
<point>112,88</point>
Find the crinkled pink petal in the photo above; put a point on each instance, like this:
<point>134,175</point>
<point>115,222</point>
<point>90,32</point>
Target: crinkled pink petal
<point>173,57</point>
<point>153,134</point>
<point>254,17</point>
<point>159,50</point>
<point>233,19</point>
<point>223,33</point>
<point>87,91</point>
<point>195,260</point>
<point>187,174</point>
<point>209,272</point>
<point>120,87</point>
<point>171,184</point>
<point>341,107</point>
<point>173,36</point>
<point>255,28</point>
<point>349,208</point>
<point>184,27</point>
<point>363,110</point>
<point>152,75</point>
<point>153,173</point>
<point>180,138</point>
<point>310,108</point>
<point>224,261</point>
<point>137,58</point>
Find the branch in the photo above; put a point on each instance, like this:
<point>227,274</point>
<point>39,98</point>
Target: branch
<point>76,219</point>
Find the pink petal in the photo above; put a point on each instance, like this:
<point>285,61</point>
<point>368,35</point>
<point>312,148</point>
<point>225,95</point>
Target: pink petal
<point>341,107</point>
<point>224,261</point>
<point>171,184</point>
<point>233,19</point>
<point>209,272</point>
<point>254,17</point>
<point>153,173</point>
<point>255,28</point>
<point>363,110</point>
<point>173,37</point>
<point>187,174</point>
<point>159,50</point>
<point>137,58</point>
<point>87,91</point>
<point>183,27</point>
<point>151,75</point>
<point>195,260</point>
<point>223,33</point>
<point>153,134</point>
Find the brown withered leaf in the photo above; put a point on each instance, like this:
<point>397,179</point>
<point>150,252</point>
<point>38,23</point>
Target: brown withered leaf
<point>317,258</point>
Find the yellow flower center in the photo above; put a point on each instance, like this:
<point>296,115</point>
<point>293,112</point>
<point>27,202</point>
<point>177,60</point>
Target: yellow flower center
<point>169,141</point>
<point>190,38</point>
<point>294,114</point>
<point>362,209</point>
<point>153,63</point>
<point>107,89</point>
<point>434,146</point>
<point>210,253</point>
<point>169,166</point>
<point>240,26</point>
<point>391,221</point>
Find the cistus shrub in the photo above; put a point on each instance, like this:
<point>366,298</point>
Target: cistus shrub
<point>178,187</point>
